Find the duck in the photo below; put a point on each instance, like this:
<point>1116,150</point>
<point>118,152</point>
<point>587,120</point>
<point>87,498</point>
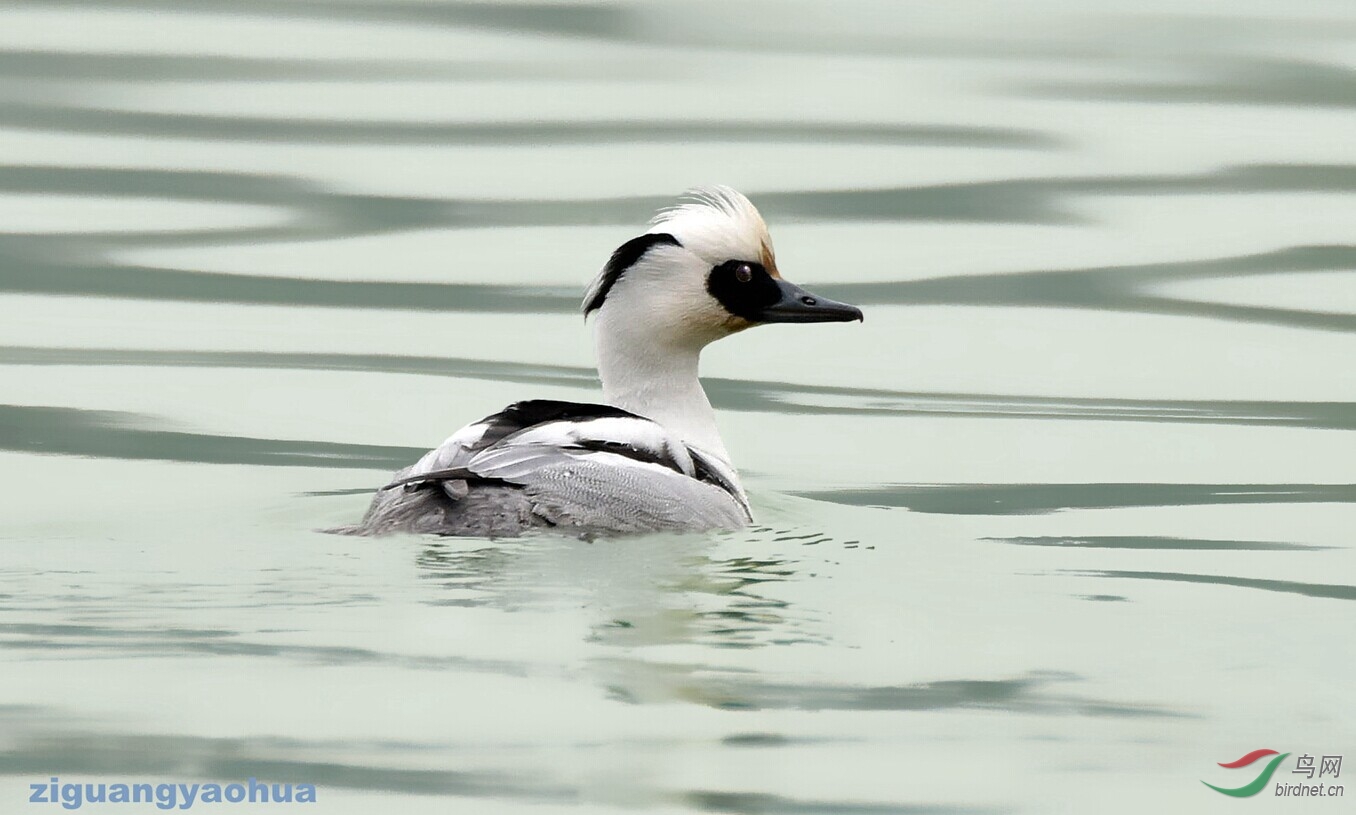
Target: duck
<point>649,457</point>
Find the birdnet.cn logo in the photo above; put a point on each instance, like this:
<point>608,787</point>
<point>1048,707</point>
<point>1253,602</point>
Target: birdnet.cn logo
<point>1319,772</point>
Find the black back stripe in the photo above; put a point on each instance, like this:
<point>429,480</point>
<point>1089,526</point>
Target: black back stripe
<point>532,412</point>
<point>624,258</point>
<point>537,411</point>
<point>632,452</point>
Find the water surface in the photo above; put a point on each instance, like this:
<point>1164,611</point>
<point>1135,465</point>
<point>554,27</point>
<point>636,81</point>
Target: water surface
<point>1063,524</point>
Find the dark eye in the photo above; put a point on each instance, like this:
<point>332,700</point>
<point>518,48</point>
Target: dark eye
<point>743,273</point>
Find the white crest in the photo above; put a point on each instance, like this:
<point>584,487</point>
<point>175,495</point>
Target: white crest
<point>717,224</point>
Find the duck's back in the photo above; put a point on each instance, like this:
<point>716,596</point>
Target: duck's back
<point>585,468</point>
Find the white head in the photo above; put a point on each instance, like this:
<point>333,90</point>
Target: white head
<point>704,270</point>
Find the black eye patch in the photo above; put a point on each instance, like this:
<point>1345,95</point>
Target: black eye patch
<point>743,287</point>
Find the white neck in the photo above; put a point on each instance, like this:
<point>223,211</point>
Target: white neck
<point>656,378</point>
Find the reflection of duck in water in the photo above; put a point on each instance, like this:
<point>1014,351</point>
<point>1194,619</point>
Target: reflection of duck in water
<point>644,590</point>
<point>651,458</point>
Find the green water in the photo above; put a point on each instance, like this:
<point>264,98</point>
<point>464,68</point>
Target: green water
<point>1065,523</point>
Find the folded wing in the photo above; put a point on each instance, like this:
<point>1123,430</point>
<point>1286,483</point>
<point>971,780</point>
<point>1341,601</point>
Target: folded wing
<point>560,464</point>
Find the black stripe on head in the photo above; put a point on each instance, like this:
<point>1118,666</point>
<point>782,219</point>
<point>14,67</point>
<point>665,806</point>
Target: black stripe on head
<point>743,287</point>
<point>626,256</point>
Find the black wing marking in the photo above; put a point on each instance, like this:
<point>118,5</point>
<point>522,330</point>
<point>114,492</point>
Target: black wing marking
<point>434,476</point>
<point>630,451</point>
<point>621,448</point>
<point>532,412</point>
<point>517,416</point>
<point>708,472</point>
<point>536,411</point>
